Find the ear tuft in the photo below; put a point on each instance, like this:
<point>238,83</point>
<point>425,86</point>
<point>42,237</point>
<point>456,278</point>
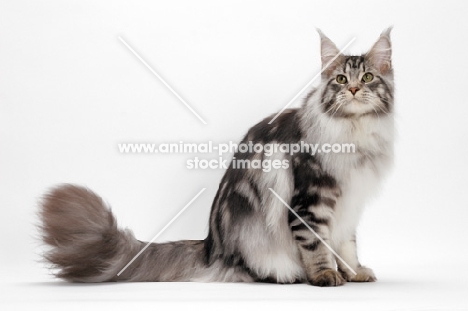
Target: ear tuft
<point>381,52</point>
<point>329,51</point>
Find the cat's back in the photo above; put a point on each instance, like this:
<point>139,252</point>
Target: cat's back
<point>284,128</point>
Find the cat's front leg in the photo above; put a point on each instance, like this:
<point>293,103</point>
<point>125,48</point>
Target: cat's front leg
<point>316,257</point>
<point>348,252</point>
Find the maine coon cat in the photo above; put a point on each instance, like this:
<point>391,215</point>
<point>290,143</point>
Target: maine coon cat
<point>253,237</point>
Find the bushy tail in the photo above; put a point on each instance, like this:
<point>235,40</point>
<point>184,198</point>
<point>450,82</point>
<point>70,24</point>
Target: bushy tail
<point>87,246</point>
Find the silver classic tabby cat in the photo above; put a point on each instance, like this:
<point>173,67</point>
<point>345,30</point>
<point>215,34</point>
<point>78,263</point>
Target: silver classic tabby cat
<point>253,237</point>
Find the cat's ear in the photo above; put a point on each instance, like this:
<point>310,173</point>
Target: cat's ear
<point>331,56</point>
<point>380,55</point>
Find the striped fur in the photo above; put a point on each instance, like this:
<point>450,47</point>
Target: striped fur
<point>253,237</point>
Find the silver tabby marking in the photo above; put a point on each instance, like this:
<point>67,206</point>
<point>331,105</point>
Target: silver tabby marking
<point>252,236</point>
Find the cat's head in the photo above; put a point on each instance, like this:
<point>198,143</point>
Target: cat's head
<point>354,86</point>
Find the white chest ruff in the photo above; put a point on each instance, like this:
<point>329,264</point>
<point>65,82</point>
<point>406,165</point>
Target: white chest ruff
<point>359,175</point>
<point>361,185</point>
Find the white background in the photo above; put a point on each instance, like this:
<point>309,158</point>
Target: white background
<point>70,91</point>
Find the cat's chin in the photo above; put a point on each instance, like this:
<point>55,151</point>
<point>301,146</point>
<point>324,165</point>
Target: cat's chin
<point>357,107</point>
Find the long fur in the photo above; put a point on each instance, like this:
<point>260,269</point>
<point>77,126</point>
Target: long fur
<point>253,237</point>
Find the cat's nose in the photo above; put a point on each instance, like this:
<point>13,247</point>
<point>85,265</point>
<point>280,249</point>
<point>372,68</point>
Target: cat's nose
<point>353,90</point>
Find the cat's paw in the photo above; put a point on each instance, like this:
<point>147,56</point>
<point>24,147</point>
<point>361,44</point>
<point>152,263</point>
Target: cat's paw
<point>364,274</point>
<point>326,278</point>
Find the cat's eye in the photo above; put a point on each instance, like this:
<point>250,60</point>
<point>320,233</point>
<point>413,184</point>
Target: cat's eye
<point>367,77</point>
<point>341,79</point>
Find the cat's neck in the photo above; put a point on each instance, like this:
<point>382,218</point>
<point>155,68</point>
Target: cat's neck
<point>320,127</point>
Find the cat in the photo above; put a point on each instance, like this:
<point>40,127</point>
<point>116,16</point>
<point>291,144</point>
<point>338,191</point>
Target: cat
<point>253,237</point>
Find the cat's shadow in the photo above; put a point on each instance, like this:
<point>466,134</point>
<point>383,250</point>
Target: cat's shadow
<point>389,283</point>
<point>66,284</point>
